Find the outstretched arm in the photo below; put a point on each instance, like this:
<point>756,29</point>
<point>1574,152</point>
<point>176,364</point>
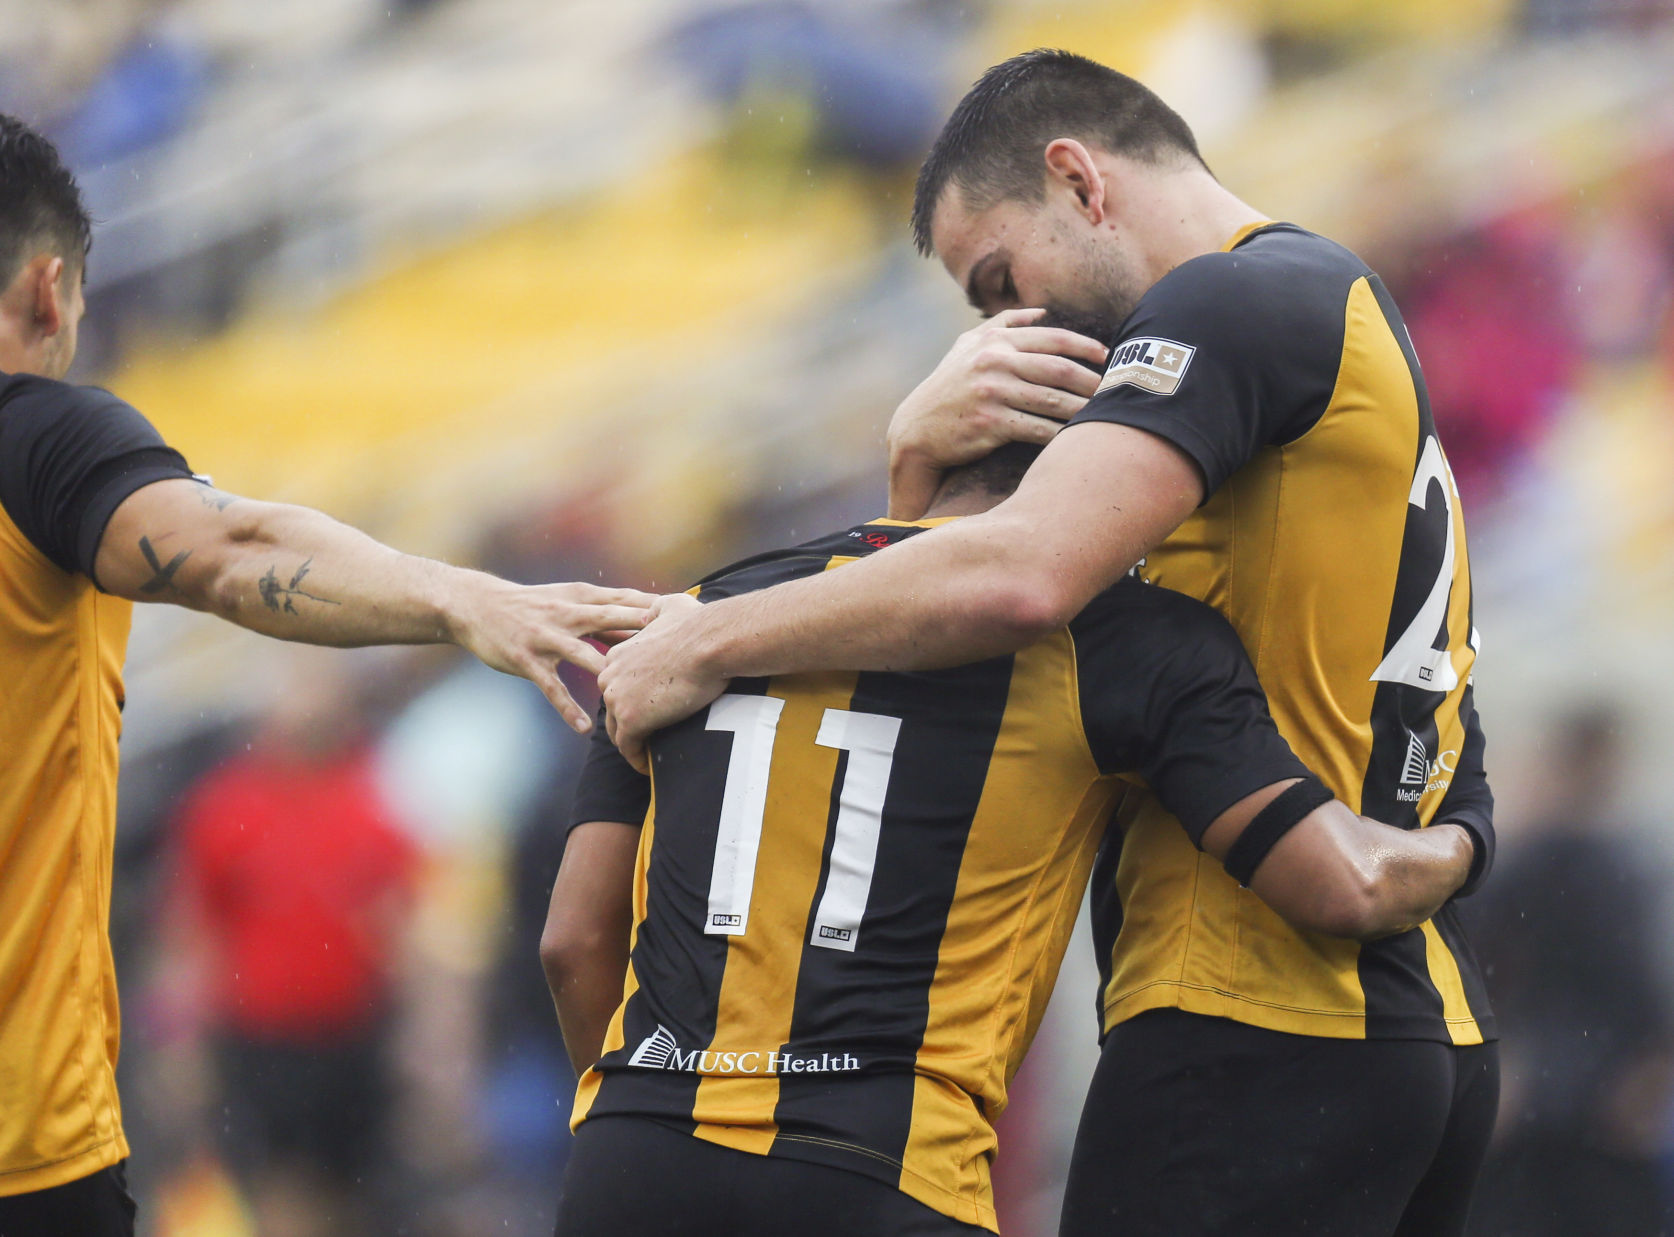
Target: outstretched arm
<point>1099,498</point>
<point>1344,875</point>
<point>296,574</point>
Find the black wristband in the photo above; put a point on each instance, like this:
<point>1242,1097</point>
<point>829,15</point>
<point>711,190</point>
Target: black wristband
<point>1272,823</point>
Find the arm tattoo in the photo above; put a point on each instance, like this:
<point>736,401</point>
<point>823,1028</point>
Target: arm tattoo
<point>280,597</point>
<point>214,498</point>
<point>164,577</point>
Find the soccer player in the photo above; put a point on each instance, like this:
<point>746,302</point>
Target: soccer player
<point>1262,441</point>
<point>854,891</point>
<point>96,512</point>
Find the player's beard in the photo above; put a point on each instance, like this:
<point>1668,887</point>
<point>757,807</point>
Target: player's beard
<point>1112,286</point>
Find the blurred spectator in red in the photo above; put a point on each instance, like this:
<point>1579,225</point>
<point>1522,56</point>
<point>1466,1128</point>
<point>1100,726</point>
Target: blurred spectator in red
<point>1568,926</point>
<point>295,886</point>
<point>1487,314</point>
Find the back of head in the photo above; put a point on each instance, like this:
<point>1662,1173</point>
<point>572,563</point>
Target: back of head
<point>40,206</point>
<point>992,146</point>
<point>995,475</point>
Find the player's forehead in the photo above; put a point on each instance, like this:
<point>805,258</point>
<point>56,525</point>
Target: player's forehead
<point>974,242</point>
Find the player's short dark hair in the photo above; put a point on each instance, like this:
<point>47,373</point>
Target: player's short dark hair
<point>40,204</point>
<point>997,474</point>
<point>992,144</point>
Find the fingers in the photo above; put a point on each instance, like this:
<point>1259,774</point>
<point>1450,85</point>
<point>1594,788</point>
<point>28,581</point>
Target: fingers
<point>633,751</point>
<point>588,619</point>
<point>558,696</point>
<point>1050,402</point>
<point>1026,427</point>
<point>630,745</point>
<point>580,592</point>
<point>1018,317</point>
<point>1057,341</point>
<point>580,653</point>
<point>1047,370</point>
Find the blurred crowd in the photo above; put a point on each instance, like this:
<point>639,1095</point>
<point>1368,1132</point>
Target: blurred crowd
<point>330,884</point>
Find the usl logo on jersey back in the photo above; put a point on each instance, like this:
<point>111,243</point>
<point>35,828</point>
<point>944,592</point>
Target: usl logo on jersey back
<point>1154,365</point>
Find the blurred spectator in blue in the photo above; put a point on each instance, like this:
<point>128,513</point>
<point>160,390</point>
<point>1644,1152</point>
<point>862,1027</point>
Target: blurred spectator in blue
<point>871,72</point>
<point>1569,929</point>
<point>147,93</point>
<point>1571,17</point>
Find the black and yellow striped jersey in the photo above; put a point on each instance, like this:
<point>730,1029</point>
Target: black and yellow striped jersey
<point>1332,539</point>
<point>854,890</point>
<point>68,457</point>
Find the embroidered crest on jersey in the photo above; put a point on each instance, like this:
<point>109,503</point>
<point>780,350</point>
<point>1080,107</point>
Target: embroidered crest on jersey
<point>1154,365</point>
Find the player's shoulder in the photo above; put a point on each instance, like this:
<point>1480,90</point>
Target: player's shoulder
<point>1133,598</point>
<point>1280,272</point>
<point>1141,622</point>
<point>30,401</point>
<point>807,558</point>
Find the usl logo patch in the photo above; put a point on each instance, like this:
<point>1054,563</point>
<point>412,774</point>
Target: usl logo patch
<point>1154,365</point>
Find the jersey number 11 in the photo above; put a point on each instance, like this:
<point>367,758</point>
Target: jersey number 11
<point>869,738</point>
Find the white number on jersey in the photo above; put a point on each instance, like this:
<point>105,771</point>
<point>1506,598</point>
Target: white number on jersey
<point>1411,659</point>
<point>869,738</point>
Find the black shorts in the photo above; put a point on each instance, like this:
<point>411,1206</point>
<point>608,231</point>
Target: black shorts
<point>1198,1125</point>
<point>631,1176</point>
<point>323,1106</point>
<point>95,1206</point>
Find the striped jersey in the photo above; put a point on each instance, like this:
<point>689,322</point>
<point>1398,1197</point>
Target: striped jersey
<point>853,891</point>
<point>1333,541</point>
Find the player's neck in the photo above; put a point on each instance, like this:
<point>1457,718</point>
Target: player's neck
<point>972,501</point>
<point>1188,215</point>
<point>14,355</point>
<point>20,347</point>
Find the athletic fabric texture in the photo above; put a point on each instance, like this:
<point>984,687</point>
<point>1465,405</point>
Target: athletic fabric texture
<point>628,1175</point>
<point>1205,1127</point>
<point>95,1206</point>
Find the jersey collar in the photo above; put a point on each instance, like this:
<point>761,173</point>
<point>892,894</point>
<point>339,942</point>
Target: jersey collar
<point>1244,233</point>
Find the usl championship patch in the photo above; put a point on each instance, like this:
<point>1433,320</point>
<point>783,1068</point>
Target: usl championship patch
<point>1155,365</point>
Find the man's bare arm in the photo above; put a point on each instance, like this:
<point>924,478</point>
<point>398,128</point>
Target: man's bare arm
<point>584,948</point>
<point>1100,497</point>
<point>296,574</point>
<point>1345,875</point>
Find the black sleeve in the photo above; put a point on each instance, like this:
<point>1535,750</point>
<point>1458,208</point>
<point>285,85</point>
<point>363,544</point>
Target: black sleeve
<point>1231,352</point>
<point>1469,800</point>
<point>610,788</point>
<point>68,457</point>
<point>1168,692</point>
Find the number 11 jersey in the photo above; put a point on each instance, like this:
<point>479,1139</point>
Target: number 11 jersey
<point>853,891</point>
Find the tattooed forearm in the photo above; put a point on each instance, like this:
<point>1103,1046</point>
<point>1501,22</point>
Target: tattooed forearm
<point>164,577</point>
<point>282,597</point>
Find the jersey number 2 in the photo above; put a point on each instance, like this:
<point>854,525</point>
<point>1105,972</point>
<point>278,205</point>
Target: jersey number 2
<point>869,739</point>
<point>1413,659</point>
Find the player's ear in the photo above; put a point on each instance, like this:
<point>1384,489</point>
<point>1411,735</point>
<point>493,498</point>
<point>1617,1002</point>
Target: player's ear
<point>1070,166</point>
<point>46,276</point>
